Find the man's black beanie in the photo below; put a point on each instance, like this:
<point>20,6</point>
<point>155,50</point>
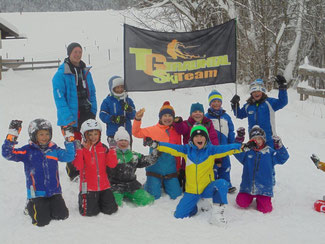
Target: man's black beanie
<point>71,47</point>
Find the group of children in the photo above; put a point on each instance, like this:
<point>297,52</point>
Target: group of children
<point>107,174</point>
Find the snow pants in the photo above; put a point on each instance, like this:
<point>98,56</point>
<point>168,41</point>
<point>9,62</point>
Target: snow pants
<point>263,203</point>
<point>43,209</point>
<point>94,202</point>
<point>139,197</point>
<point>187,206</point>
<point>154,184</point>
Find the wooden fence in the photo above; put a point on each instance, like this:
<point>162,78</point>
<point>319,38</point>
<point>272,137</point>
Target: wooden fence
<point>316,79</point>
<point>21,64</point>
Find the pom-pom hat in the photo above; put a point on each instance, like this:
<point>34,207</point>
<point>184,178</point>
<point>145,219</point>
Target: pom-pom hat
<point>121,134</point>
<point>166,109</point>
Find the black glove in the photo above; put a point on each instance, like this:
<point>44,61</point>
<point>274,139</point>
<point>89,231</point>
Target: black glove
<point>235,102</point>
<point>277,142</point>
<point>68,132</point>
<point>149,142</point>
<point>112,144</point>
<point>240,137</point>
<point>178,119</point>
<point>118,119</point>
<point>315,159</point>
<point>282,82</point>
<point>14,130</point>
<point>126,107</point>
<point>249,145</point>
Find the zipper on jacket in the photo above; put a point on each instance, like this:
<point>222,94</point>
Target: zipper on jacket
<point>33,186</point>
<point>97,169</point>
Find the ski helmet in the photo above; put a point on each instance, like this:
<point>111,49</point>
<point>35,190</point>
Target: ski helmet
<point>257,131</point>
<point>88,125</point>
<point>257,85</point>
<point>36,125</point>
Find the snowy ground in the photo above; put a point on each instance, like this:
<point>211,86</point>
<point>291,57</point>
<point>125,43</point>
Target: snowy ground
<point>27,95</point>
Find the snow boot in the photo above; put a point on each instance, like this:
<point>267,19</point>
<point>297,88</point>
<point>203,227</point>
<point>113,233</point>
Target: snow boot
<point>319,206</point>
<point>217,215</point>
<point>204,204</point>
<point>232,189</point>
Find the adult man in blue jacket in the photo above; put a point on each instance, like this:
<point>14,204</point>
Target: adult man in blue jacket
<point>74,95</point>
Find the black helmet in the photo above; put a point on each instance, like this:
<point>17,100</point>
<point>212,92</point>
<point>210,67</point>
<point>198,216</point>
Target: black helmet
<point>257,131</point>
<point>36,125</point>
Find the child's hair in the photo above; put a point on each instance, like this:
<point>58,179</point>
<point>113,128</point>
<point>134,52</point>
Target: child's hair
<point>214,95</point>
<point>199,130</point>
<point>257,131</point>
<point>197,107</point>
<point>166,109</point>
<point>89,125</point>
<point>36,125</point>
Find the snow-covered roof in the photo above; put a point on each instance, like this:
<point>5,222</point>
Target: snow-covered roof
<point>8,30</point>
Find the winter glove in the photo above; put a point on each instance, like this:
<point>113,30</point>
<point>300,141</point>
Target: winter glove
<point>178,119</point>
<point>126,107</point>
<point>277,142</point>
<point>240,137</point>
<point>249,145</point>
<point>235,102</point>
<point>112,144</point>
<point>149,142</point>
<point>14,130</point>
<point>77,144</point>
<point>118,119</point>
<point>68,133</point>
<point>282,82</point>
<point>315,159</point>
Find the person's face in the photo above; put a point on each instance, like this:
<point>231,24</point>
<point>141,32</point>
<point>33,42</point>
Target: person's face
<point>216,104</point>
<point>257,95</point>
<point>167,119</point>
<point>123,144</point>
<point>43,137</point>
<point>119,89</point>
<point>259,141</point>
<point>197,116</point>
<point>199,141</point>
<point>92,136</point>
<point>75,56</point>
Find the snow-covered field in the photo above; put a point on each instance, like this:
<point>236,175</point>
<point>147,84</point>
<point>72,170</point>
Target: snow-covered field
<point>27,95</point>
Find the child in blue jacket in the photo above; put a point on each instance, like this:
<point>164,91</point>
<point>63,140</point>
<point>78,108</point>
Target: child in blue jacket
<point>117,109</point>
<point>258,163</point>
<point>199,155</point>
<point>225,129</point>
<point>40,158</point>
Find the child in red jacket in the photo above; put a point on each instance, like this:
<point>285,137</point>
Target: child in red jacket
<point>91,160</point>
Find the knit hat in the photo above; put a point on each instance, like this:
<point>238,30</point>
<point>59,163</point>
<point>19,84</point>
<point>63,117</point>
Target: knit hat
<point>257,131</point>
<point>113,82</point>
<point>122,134</point>
<point>166,109</point>
<point>214,95</point>
<point>199,130</point>
<point>257,85</point>
<point>72,46</point>
<point>196,107</point>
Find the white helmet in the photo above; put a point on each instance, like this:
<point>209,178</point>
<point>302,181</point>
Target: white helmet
<point>88,125</point>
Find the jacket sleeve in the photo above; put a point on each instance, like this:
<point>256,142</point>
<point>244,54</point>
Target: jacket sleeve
<point>104,114</point>
<point>12,154</point>
<point>213,134</point>
<point>78,161</point>
<point>111,158</point>
<point>60,98</point>
<point>182,128</point>
<point>280,156</point>
<point>147,160</point>
<point>139,132</point>
<point>241,112</point>
<point>221,151</point>
<point>92,94</point>
<point>231,128</point>
<point>131,115</point>
<point>282,100</point>
<point>240,157</point>
<point>172,149</point>
<point>68,154</point>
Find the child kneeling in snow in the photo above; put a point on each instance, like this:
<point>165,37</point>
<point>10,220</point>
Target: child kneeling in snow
<point>257,177</point>
<point>40,158</point>
<point>199,155</point>
<point>91,160</point>
<point>123,178</point>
